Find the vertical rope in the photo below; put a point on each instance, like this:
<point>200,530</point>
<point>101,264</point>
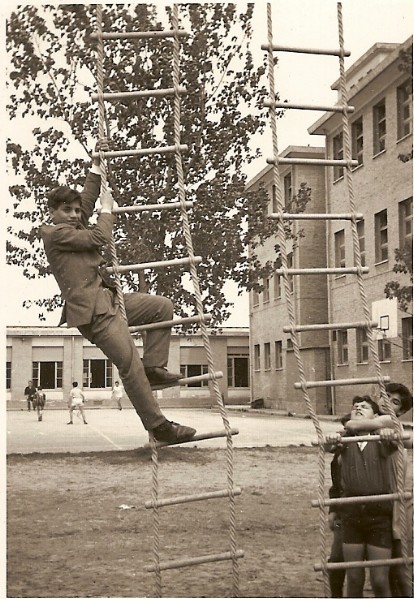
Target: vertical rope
<point>290,303</point>
<point>198,299</point>
<point>102,138</point>
<point>361,287</point>
<point>156,517</point>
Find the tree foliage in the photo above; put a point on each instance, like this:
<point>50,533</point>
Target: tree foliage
<point>52,75</point>
<point>395,289</point>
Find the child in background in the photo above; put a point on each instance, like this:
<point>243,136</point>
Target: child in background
<point>39,400</point>
<point>76,401</point>
<point>117,394</point>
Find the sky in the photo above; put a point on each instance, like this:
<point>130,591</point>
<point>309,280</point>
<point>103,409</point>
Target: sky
<point>300,78</point>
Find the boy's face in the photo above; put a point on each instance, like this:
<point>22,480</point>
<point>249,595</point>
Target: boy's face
<point>395,401</point>
<point>67,214</point>
<point>362,409</point>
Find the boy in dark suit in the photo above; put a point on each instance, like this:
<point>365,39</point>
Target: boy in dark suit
<point>91,305</point>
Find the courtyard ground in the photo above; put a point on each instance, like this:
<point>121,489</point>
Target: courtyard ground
<point>77,525</point>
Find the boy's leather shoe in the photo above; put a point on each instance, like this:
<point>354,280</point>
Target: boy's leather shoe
<point>172,432</point>
<point>161,376</point>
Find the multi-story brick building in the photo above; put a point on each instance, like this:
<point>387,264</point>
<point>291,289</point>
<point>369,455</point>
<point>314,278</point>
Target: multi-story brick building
<point>380,89</point>
<point>273,364</point>
<point>54,357</point>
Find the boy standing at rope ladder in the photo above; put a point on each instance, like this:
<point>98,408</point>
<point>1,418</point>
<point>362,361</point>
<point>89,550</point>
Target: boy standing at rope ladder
<point>91,303</point>
<point>366,527</point>
<point>401,401</point>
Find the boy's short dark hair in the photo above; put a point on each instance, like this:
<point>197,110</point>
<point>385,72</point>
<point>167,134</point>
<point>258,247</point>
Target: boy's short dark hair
<point>404,393</point>
<point>372,403</point>
<point>62,195</point>
<point>75,383</point>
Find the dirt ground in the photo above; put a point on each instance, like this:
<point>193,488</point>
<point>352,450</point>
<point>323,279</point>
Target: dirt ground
<point>77,525</point>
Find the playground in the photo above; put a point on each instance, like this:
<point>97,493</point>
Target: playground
<point>65,507</point>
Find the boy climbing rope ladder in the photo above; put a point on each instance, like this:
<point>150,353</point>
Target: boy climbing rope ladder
<point>91,303</point>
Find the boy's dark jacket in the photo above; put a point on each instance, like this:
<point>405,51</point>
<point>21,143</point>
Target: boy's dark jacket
<point>74,258</point>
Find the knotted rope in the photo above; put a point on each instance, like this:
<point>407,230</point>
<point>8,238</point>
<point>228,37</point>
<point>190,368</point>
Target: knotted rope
<point>204,335</point>
<point>289,298</point>
<point>365,306</point>
<point>102,138</point>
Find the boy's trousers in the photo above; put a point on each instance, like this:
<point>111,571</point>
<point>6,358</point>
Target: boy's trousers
<point>109,331</point>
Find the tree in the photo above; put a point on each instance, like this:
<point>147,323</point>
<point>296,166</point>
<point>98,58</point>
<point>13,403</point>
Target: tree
<point>52,76</point>
<point>406,66</point>
<point>403,265</point>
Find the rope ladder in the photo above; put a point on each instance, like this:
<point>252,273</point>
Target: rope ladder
<point>358,270</point>
<point>231,491</point>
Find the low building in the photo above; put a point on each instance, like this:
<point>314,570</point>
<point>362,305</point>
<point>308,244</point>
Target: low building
<point>54,357</point>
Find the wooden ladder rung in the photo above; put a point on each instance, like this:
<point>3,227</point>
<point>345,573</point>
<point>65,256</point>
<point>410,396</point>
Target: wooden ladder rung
<point>151,207</point>
<point>313,161</point>
<point>142,152</point>
<point>193,561</point>
<point>343,382</point>
<point>363,438</point>
<point>362,564</point>
<point>353,270</point>
<point>126,35</point>
<point>320,216</point>
<point>165,324</point>
<point>148,93</point>
<point>361,499</point>
<point>190,498</point>
<point>199,437</point>
<point>299,50</point>
<point>321,107</point>
<point>334,326</point>
<point>159,264</point>
<point>201,377</point>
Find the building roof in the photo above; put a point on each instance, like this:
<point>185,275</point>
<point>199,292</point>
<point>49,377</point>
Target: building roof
<point>33,331</point>
<point>291,152</point>
<point>362,72</point>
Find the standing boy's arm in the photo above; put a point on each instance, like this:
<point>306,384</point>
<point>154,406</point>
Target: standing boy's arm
<point>368,424</point>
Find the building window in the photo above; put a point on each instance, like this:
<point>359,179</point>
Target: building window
<point>276,285</point>
<point>238,371</point>
<point>362,346</point>
<point>381,236</point>
<point>358,141</point>
<point>407,337</point>
<point>380,127</point>
<point>384,350</point>
<point>287,188</point>
<point>290,265</point>
<point>278,355</point>
<point>361,239</point>
<point>340,249</point>
<point>267,360</point>
<point>255,296</point>
<point>266,286</point>
<point>189,370</point>
<point>274,199</point>
<point>405,217</point>
<point>47,375</point>
<point>404,109</point>
<point>8,375</point>
<point>257,357</point>
<point>342,346</point>
<point>97,374</point>
<point>338,154</point>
